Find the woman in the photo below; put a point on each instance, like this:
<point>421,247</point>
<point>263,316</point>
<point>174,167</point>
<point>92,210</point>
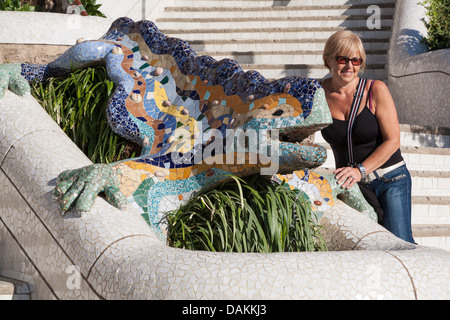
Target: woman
<point>376,133</point>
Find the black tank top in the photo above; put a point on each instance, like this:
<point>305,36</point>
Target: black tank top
<point>366,138</point>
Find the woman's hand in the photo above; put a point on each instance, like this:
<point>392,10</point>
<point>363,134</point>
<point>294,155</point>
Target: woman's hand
<point>347,176</point>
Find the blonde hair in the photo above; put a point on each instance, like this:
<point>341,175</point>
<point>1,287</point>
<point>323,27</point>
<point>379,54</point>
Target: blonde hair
<point>345,43</point>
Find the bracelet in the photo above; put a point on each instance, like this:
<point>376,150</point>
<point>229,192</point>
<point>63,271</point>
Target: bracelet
<point>362,170</point>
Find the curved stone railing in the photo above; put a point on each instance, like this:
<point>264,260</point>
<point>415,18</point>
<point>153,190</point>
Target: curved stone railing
<point>111,254</point>
<point>419,80</point>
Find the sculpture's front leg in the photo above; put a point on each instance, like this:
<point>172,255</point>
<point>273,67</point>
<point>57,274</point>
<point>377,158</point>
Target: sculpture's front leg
<point>322,190</point>
<point>12,79</point>
<point>78,188</point>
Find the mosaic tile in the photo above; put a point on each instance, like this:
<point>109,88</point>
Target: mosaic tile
<point>10,78</point>
<point>180,107</point>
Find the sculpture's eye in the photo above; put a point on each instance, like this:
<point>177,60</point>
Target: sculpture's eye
<point>278,113</point>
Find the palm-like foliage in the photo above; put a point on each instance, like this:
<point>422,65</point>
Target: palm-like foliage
<point>78,104</point>
<point>246,215</point>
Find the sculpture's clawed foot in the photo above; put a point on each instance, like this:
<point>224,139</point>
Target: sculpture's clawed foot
<point>78,188</point>
<point>12,79</point>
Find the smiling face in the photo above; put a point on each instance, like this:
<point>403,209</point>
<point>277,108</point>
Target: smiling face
<point>345,72</point>
<point>347,44</point>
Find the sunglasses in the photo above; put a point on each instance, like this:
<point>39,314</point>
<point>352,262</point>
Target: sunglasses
<point>344,60</point>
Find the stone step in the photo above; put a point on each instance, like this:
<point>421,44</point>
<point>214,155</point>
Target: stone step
<point>430,210</point>
<point>225,23</point>
<point>436,242</point>
<point>430,183</point>
<point>204,34</point>
<point>288,57</point>
<point>13,289</point>
<point>317,71</point>
<point>281,45</point>
<point>432,235</point>
<point>420,136</point>
<point>276,3</point>
<point>425,230</point>
<point>193,12</point>
<point>426,158</point>
<point>6,290</point>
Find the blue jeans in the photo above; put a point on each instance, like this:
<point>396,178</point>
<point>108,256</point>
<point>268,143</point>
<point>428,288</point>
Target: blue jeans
<point>393,191</point>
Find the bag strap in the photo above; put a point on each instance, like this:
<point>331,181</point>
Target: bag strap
<point>370,95</point>
<point>357,98</point>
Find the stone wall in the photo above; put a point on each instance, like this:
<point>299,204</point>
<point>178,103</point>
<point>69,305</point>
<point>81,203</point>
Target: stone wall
<point>419,80</point>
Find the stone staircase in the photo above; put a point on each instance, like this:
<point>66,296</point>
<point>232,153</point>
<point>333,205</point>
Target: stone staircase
<point>286,38</point>
<point>278,38</point>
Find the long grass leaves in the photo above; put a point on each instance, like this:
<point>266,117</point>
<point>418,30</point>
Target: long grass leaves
<point>78,104</point>
<point>246,215</point>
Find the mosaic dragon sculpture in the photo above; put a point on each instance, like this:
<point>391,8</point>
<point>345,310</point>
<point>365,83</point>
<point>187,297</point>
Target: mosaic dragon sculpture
<point>198,120</point>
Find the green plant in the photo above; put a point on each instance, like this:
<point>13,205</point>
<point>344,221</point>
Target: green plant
<point>14,5</point>
<point>246,215</point>
<point>92,8</point>
<point>78,105</point>
<point>17,5</point>
<point>438,24</point>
